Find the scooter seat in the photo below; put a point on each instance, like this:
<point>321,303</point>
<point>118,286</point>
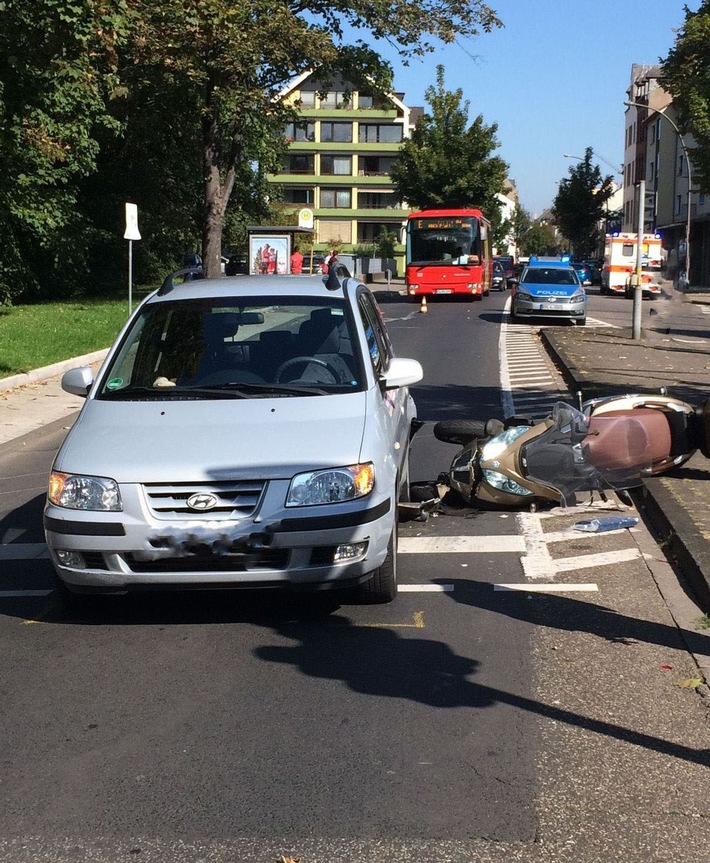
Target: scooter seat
<point>620,440</point>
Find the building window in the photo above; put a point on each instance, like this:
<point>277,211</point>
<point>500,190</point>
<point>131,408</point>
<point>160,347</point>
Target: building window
<point>375,166</point>
<point>680,166</point>
<point>339,165</point>
<point>341,132</point>
<point>369,232</point>
<point>299,196</point>
<point>335,99</point>
<point>651,170</point>
<point>376,201</point>
<point>365,100</point>
<point>299,164</point>
<point>300,132</point>
<point>335,199</point>
<point>375,133</point>
<point>307,99</point>
<point>677,204</point>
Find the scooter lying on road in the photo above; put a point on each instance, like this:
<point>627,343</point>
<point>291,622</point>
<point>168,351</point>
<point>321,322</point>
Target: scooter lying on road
<point>609,443</point>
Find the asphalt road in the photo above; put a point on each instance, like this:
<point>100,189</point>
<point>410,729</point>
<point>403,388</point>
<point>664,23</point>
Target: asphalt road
<point>468,720</point>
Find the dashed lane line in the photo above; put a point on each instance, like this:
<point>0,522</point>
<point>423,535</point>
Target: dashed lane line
<point>548,588</point>
<point>461,544</point>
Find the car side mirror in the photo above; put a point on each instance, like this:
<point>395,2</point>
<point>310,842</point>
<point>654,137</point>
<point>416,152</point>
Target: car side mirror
<point>512,282</point>
<point>78,382</point>
<point>401,373</point>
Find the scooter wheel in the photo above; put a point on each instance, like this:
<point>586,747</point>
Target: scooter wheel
<point>460,432</point>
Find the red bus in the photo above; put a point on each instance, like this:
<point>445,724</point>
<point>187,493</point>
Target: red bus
<point>448,252</point>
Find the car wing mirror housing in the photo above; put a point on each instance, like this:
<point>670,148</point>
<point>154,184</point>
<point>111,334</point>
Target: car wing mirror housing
<point>401,373</point>
<point>78,382</point>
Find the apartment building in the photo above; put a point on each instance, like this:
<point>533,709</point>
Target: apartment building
<point>656,152</point>
<point>339,158</point>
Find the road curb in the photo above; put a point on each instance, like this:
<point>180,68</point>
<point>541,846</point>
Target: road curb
<point>45,372</point>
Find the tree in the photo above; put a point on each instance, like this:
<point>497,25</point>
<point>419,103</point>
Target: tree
<point>686,77</point>
<point>539,239</point>
<point>231,59</point>
<point>58,64</point>
<point>446,162</point>
<point>520,225</point>
<point>512,229</point>
<point>580,205</point>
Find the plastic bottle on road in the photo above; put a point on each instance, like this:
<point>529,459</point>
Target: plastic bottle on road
<point>608,522</point>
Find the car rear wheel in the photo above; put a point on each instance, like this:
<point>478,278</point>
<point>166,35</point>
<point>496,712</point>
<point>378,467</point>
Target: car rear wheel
<point>382,586</point>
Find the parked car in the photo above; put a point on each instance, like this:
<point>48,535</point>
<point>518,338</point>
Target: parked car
<point>236,265</point>
<point>549,289</point>
<point>498,280</point>
<point>583,271</point>
<point>508,264</point>
<point>595,269</point>
<point>313,263</point>
<point>241,432</point>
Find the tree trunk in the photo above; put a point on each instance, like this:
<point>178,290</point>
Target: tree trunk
<point>217,194</point>
<point>213,222</point>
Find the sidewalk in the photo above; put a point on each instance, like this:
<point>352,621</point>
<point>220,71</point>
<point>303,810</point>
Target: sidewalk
<point>30,401</point>
<point>601,362</point>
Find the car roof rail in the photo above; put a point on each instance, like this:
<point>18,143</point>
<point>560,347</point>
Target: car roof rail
<point>169,280</point>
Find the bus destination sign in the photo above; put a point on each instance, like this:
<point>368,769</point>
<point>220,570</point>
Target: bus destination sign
<point>446,223</point>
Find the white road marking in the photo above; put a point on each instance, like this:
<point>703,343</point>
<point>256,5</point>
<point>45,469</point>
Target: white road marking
<point>537,562</point>
<point>424,588</point>
<point>548,588</point>
<point>585,561</point>
<point>460,544</point>
<point>565,535</point>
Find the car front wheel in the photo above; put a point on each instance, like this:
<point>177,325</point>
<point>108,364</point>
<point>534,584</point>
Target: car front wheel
<point>382,586</point>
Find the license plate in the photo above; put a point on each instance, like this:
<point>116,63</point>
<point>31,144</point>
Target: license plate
<point>546,307</point>
<point>443,291</point>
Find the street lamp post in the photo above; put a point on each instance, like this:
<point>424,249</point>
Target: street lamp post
<point>690,184</point>
<point>581,159</point>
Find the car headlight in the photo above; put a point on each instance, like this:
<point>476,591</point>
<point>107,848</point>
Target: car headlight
<point>504,483</point>
<point>95,493</point>
<point>501,442</point>
<point>332,485</point>
<point>578,298</point>
<point>523,295</point>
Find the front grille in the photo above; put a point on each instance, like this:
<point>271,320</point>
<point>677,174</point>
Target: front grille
<point>263,558</point>
<point>236,499</point>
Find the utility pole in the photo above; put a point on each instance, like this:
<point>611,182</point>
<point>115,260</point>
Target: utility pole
<point>636,278</point>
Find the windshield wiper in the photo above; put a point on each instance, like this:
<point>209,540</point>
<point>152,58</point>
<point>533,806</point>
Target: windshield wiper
<point>244,390</point>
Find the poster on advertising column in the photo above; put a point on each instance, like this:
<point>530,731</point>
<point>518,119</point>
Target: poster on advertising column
<point>269,255</point>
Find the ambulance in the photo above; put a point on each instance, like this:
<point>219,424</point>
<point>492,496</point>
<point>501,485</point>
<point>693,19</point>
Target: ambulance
<point>620,264</point>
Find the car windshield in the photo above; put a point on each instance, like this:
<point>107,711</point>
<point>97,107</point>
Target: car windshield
<point>232,348</point>
<point>549,276</point>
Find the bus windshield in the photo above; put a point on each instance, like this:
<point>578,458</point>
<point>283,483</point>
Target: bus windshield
<point>445,240</point>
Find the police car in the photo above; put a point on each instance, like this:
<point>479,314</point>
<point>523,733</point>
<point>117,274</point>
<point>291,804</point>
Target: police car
<point>549,288</point>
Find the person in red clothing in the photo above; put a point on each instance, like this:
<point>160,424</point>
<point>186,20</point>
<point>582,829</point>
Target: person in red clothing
<point>296,262</point>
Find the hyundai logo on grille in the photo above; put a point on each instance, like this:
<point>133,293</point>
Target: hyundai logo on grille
<point>202,501</point>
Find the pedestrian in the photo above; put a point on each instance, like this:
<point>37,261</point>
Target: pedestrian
<point>330,257</point>
<point>296,262</point>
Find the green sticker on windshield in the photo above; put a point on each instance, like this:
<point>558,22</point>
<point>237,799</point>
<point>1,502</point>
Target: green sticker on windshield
<point>114,383</point>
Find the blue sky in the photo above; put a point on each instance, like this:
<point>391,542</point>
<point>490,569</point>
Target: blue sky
<point>554,79</point>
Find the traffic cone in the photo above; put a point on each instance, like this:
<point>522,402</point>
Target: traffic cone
<point>423,307</point>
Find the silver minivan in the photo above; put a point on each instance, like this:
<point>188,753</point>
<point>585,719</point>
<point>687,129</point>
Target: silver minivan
<point>251,431</point>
